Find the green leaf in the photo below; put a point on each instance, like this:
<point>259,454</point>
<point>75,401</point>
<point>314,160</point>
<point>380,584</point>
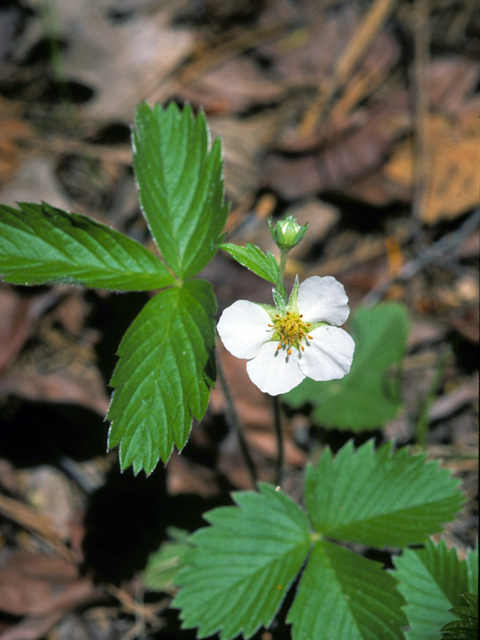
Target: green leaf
<point>242,566</point>
<point>379,498</point>
<point>370,394</point>
<point>164,564</point>
<point>164,375</point>
<point>472,570</point>
<point>251,552</point>
<point>344,595</point>
<point>181,185</point>
<point>466,628</point>
<point>252,257</point>
<point>431,581</point>
<point>40,244</point>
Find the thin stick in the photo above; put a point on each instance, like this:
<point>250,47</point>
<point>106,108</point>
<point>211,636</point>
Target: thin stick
<point>368,28</point>
<point>234,423</point>
<point>279,437</point>
<point>421,43</point>
<point>440,251</point>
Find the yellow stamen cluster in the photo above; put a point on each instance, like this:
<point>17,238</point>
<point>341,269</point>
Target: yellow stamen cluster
<point>290,331</point>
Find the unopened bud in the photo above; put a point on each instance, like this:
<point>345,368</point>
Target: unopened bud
<point>287,233</point>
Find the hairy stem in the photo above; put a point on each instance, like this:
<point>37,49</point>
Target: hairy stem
<point>280,286</point>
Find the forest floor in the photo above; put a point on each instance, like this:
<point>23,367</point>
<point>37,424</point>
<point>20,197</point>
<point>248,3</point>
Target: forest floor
<point>360,118</point>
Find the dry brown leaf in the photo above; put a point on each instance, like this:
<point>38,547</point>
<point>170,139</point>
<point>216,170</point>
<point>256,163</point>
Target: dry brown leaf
<point>14,325</point>
<point>450,80</point>
<point>84,387</point>
<point>61,367</point>
<point>31,627</point>
<point>29,519</point>
<point>12,129</point>
<point>255,410</point>
<point>448,404</point>
<point>120,61</point>
<point>50,492</point>
<point>39,585</point>
<point>243,142</point>
<point>236,85</point>
<point>187,476</point>
<point>466,322</point>
<point>345,159</point>
<point>454,177</point>
<point>35,181</point>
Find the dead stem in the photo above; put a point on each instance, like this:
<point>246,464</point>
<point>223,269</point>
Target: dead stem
<point>234,423</point>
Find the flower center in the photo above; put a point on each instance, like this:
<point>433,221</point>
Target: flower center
<point>290,331</point>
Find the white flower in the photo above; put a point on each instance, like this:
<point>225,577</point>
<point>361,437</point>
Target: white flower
<point>284,346</point>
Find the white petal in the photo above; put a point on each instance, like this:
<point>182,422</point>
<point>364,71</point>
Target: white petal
<point>329,355</point>
<point>243,328</point>
<point>272,372</point>
<point>323,300</point>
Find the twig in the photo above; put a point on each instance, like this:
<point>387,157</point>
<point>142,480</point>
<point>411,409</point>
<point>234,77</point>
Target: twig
<point>279,438</point>
<point>206,59</point>
<point>38,523</point>
<point>421,43</point>
<point>447,245</point>
<point>234,423</point>
<point>370,25</point>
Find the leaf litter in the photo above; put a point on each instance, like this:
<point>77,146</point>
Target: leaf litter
<point>314,105</point>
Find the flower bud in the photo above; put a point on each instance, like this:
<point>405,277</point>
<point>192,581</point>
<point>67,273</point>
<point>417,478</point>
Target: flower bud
<point>287,233</point>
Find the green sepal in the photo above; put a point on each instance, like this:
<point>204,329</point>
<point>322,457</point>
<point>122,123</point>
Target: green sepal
<point>292,305</point>
<point>279,301</point>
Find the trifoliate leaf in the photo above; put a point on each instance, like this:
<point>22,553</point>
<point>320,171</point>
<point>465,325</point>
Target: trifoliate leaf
<point>466,628</point>
<point>344,595</point>
<point>379,498</point>
<point>252,257</point>
<point>181,185</point>
<point>242,565</point>
<point>164,564</point>
<point>40,244</point>
<point>375,498</point>
<point>431,581</point>
<point>164,375</point>
<point>370,394</point>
